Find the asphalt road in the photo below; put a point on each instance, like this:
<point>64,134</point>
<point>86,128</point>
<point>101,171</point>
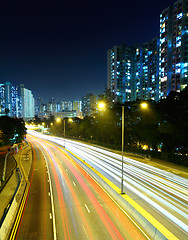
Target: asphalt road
<point>36,222</point>
<point>162,193</point>
<point>82,209</point>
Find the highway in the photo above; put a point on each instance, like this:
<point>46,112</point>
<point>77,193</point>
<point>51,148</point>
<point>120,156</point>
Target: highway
<point>80,208</point>
<point>163,194</point>
<point>36,222</point>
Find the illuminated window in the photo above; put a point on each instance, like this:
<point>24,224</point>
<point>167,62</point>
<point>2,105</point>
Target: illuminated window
<point>162,40</point>
<point>178,38</point>
<point>180,15</point>
<point>178,70</point>
<point>178,44</point>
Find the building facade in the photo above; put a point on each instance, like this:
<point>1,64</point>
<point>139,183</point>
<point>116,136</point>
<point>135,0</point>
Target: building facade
<point>173,61</point>
<point>153,69</point>
<point>119,73</point>
<point>10,100</point>
<point>89,104</point>
<point>27,103</point>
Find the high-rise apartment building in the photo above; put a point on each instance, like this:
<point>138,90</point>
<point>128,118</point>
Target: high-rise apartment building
<point>145,73</point>
<point>133,72</point>
<point>27,103</point>
<point>153,69</point>
<point>77,105</point>
<point>153,75</point>
<point>9,100</point>
<point>118,73</point>
<point>66,106</point>
<point>88,105</point>
<point>173,60</point>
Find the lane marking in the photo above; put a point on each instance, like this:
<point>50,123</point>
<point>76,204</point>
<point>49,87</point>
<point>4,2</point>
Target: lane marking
<point>50,215</point>
<point>148,217</point>
<point>52,201</point>
<point>49,194</point>
<point>74,183</point>
<point>87,208</point>
<point>85,231</point>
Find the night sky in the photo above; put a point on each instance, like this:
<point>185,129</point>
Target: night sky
<point>59,48</point>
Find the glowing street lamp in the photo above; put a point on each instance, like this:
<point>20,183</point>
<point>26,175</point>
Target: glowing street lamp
<point>144,105</point>
<point>70,120</point>
<point>58,120</point>
<point>101,105</point>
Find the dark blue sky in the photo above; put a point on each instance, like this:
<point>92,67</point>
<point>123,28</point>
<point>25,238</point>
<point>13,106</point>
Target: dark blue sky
<point>58,49</point>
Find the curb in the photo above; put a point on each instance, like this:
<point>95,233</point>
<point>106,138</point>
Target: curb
<point>16,205</point>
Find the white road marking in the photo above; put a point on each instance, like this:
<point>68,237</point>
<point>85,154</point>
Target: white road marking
<point>74,183</point>
<point>52,201</point>
<point>49,194</point>
<point>87,208</point>
<point>85,231</point>
<point>50,215</point>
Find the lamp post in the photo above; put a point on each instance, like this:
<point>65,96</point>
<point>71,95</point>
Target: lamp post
<point>123,123</point>
<point>101,106</point>
<point>64,131</point>
<point>143,105</point>
<point>58,120</point>
<point>70,120</point>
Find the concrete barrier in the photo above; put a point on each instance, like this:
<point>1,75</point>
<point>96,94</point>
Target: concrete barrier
<point>15,207</point>
<point>5,228</point>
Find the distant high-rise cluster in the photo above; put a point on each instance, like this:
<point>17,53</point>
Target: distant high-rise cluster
<point>76,108</point>
<point>58,109</point>
<point>16,101</point>
<point>153,69</point>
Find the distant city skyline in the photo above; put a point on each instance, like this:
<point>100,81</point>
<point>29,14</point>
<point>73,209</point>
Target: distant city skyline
<point>60,51</point>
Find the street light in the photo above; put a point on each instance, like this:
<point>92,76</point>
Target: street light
<point>70,120</point>
<point>101,105</point>
<point>122,146</point>
<point>143,105</point>
<point>58,119</point>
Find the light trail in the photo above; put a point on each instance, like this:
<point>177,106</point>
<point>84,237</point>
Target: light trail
<point>164,191</point>
<point>67,174</point>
